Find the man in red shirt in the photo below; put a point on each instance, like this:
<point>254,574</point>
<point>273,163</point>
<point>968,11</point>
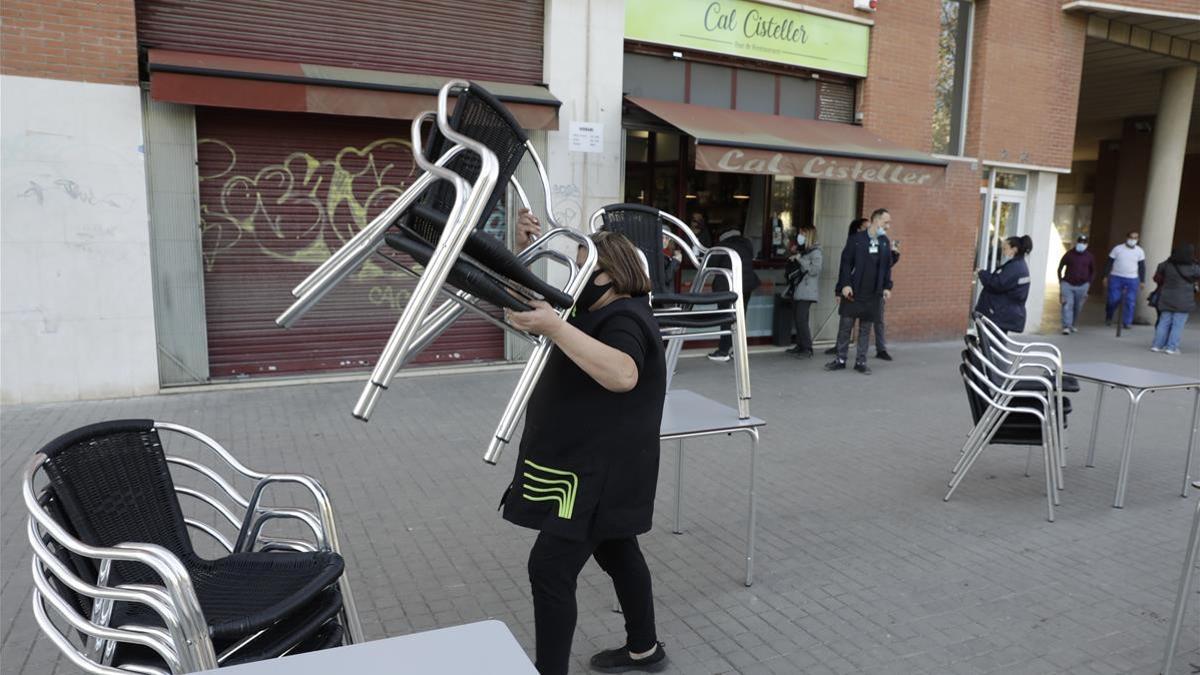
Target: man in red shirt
<point>1075,273</point>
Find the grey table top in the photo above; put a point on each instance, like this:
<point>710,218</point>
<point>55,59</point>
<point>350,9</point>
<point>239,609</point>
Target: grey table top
<point>686,412</point>
<point>1131,377</point>
<point>470,649</point>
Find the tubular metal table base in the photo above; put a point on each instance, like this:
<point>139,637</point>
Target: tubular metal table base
<point>1135,394</point>
<point>686,415</point>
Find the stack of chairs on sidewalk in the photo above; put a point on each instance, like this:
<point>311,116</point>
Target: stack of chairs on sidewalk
<point>469,159</point>
<point>1016,392</point>
<point>714,312</point>
<point>121,586</point>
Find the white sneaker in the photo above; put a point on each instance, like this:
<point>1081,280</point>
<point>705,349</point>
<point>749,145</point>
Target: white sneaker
<point>1066,331</point>
<point>1156,349</point>
<point>1074,329</point>
<point>1172,352</point>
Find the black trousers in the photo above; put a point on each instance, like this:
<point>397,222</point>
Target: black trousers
<point>800,314</point>
<point>845,328</point>
<point>725,344</point>
<point>554,566</point>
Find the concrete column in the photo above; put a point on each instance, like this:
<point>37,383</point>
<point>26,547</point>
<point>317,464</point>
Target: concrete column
<point>584,45</point>
<point>1166,172</point>
<point>1047,246</point>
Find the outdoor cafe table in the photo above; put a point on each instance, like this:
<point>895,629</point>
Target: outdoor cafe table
<point>687,414</point>
<point>1136,383</point>
<point>470,649</point>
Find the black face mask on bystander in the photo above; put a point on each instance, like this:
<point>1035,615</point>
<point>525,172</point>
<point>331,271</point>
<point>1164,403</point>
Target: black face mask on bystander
<point>591,293</point>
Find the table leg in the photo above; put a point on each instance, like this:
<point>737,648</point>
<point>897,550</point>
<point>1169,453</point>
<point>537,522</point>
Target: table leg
<point>1135,401</point>
<point>753,509</point>
<point>1091,458</point>
<point>678,484</point>
<point>1185,584</point>
<point>1187,466</point>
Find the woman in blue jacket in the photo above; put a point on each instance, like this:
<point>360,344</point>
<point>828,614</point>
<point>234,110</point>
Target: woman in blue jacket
<point>1006,289</point>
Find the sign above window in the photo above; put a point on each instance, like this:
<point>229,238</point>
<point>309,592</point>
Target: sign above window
<point>752,30</point>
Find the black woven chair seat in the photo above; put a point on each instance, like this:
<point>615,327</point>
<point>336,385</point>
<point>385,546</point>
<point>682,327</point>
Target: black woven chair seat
<point>308,629</point>
<point>1069,384</point>
<point>710,321</point>
<point>718,297</point>
<point>246,592</point>
<point>464,274</point>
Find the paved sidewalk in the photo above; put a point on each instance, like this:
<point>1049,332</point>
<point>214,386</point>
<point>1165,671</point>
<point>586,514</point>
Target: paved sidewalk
<point>861,567</point>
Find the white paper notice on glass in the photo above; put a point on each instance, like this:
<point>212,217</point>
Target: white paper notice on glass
<point>586,137</point>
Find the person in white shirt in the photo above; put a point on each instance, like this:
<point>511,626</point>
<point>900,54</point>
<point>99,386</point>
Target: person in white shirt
<point>1124,274</point>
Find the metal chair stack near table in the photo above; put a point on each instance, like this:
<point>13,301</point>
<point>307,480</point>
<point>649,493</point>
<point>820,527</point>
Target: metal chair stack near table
<point>1136,383</point>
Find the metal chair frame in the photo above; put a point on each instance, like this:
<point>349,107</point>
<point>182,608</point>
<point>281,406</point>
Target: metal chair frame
<point>184,643</point>
<point>999,402</point>
<point>1042,356</point>
<point>701,258</point>
<point>418,326</point>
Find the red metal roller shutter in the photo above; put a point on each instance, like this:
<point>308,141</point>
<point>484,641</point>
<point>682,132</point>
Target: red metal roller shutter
<point>497,40</point>
<point>278,192</point>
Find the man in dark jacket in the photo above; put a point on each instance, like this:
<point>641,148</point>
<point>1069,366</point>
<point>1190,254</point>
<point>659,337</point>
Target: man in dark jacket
<point>864,279</point>
<point>1075,273</point>
<point>735,240</point>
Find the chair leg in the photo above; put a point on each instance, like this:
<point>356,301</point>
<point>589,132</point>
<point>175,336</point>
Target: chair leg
<point>518,400</point>
<point>985,427</point>
<point>972,455</point>
<point>741,367</point>
<point>1028,459</point>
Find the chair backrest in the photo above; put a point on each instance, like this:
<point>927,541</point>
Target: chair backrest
<point>112,483</point>
<point>643,226</point>
<point>479,116</point>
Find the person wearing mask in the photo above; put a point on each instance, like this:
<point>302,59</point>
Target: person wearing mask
<point>745,251</point>
<point>1075,272</point>
<point>1124,273</point>
<point>805,291</point>
<point>864,278</point>
<point>1005,290</point>
<point>881,350</point>
<point>587,467</point>
<point>1176,298</point>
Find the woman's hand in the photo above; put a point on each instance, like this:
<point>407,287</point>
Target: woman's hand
<point>541,320</point>
<point>528,229</point>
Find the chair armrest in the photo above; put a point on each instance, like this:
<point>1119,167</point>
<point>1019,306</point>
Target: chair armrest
<point>323,525</point>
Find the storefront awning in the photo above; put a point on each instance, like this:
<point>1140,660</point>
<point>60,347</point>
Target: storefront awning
<point>746,142</point>
<point>258,84</point>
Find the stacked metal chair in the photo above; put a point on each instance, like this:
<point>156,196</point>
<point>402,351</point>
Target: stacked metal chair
<point>119,584</point>
<point>1011,406</point>
<point>469,160</point>
<point>677,312</point>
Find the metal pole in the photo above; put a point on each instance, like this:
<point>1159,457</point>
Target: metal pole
<point>1091,458</point>
<point>678,485</point>
<point>1187,465</point>
<point>1135,401</point>
<point>753,508</point>
<point>1185,586</point>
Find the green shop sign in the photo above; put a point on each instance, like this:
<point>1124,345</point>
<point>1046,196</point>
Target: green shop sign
<point>752,30</point>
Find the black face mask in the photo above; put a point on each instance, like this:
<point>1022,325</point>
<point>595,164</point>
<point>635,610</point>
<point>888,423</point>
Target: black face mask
<point>591,292</point>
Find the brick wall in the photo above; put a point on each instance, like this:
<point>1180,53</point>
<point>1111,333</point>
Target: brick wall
<point>1025,78</point>
<point>81,40</point>
<point>936,227</point>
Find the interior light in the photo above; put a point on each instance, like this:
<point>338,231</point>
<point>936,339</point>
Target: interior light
<point>689,196</point>
<point>741,196</point>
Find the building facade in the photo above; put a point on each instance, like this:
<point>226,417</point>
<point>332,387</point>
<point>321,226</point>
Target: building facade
<point>173,168</point>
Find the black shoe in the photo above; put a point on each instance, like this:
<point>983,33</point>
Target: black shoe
<point>863,368</point>
<point>883,356</point>
<point>802,355</point>
<point>719,355</point>
<point>619,661</point>
<point>831,350</point>
<point>835,365</point>
<point>794,349</point>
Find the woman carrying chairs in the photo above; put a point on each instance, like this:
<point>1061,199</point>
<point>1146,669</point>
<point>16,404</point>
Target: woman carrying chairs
<point>588,463</point>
